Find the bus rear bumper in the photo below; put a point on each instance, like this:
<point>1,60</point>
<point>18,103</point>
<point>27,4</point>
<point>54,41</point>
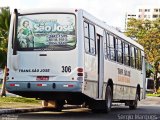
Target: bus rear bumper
<point>32,89</point>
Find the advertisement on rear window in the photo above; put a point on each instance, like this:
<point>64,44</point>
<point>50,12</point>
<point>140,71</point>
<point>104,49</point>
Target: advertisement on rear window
<point>46,32</point>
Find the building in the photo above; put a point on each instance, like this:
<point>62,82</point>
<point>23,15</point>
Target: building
<point>129,16</point>
<point>144,12</point>
<point>147,12</point>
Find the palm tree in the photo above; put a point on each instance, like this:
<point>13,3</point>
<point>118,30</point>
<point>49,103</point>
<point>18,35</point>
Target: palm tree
<point>4,30</point>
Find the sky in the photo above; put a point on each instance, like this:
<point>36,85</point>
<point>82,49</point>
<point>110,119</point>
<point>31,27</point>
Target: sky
<point>111,11</point>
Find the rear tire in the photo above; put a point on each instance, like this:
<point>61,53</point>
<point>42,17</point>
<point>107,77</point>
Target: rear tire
<point>105,105</point>
<point>59,105</point>
<point>133,104</point>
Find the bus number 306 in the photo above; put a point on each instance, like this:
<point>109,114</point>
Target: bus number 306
<point>66,69</point>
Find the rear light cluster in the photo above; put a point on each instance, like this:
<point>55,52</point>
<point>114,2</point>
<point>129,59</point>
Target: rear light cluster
<point>14,85</point>
<point>80,71</point>
<point>41,85</point>
<point>7,72</point>
<point>68,85</point>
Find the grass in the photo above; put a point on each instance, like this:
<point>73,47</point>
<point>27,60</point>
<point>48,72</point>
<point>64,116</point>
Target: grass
<point>18,99</point>
<point>19,102</point>
<point>154,95</point>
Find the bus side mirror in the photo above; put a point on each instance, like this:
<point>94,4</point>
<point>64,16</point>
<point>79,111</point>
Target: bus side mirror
<point>15,62</point>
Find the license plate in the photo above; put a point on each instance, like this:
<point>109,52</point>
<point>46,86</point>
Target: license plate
<point>42,78</point>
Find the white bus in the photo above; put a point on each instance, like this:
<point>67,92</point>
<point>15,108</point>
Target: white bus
<point>69,56</point>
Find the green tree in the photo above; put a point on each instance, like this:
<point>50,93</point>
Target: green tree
<point>136,28</point>
<point>157,70</point>
<point>4,30</point>
<point>147,33</point>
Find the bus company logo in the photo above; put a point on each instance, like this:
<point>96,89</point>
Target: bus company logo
<point>124,72</point>
<point>52,28</point>
<point>34,70</point>
<point>124,75</point>
<point>54,25</point>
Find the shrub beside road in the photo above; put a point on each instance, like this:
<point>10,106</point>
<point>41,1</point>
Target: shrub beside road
<point>19,102</point>
<point>154,95</point>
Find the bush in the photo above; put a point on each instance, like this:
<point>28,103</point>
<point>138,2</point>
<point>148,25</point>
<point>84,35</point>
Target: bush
<point>19,99</point>
<point>158,91</point>
<point>154,95</point>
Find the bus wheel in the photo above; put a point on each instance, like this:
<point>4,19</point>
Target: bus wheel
<point>108,96</point>
<point>133,104</point>
<point>59,105</point>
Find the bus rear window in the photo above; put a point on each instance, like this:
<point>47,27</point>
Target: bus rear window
<point>46,32</point>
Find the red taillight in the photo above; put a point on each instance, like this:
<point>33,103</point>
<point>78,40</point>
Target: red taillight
<point>39,85</point>
<point>80,74</point>
<point>12,85</point>
<point>70,85</point>
<point>7,72</point>
<point>80,69</point>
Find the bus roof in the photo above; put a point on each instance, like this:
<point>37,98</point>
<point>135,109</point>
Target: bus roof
<point>87,15</point>
<point>49,10</point>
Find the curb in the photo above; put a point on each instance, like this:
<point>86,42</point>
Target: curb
<point>24,110</point>
<point>20,110</point>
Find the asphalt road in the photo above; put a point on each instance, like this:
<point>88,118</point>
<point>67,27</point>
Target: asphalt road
<point>147,110</point>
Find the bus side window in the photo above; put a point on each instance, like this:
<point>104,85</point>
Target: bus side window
<point>119,51</point>
<point>136,62</point>
<point>139,60</point>
<point>136,58</point>
<point>89,34</point>
<point>129,55</point>
<point>92,39</point>
<point>126,53</point>
<point>137,52</point>
<point>140,56</point>
<point>86,34</point>
<point>112,47</point>
<point>107,46</point>
<point>132,57</point>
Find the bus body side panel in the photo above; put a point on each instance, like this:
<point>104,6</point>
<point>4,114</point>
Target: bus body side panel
<point>91,82</point>
<point>124,87</point>
<point>80,46</point>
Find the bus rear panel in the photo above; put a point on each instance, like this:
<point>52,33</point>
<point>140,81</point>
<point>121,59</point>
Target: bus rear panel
<point>42,59</point>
